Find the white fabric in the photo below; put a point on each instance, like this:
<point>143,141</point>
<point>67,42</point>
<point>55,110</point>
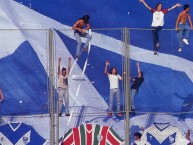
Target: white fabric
<point>25,139</point>
<point>79,85</point>
<point>137,142</point>
<point>165,132</point>
<point>4,140</point>
<point>114,81</point>
<point>158,19</point>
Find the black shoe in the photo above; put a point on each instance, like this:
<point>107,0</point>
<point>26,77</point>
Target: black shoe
<point>155,53</point>
<point>77,57</point>
<point>60,114</point>
<point>132,111</point>
<point>67,114</point>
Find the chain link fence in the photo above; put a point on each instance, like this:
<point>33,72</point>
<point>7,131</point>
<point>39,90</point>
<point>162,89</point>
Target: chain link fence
<point>163,102</point>
<point>88,85</point>
<point>24,79</point>
<point>43,106</point>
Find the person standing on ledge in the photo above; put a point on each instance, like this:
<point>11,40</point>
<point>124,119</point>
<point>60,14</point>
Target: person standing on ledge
<point>137,82</point>
<point>158,21</point>
<point>63,87</point>
<point>114,78</point>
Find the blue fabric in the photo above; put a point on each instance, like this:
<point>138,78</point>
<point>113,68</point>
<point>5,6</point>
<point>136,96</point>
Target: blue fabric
<point>153,141</point>
<point>15,136</point>
<point>154,94</point>
<point>23,81</point>
<point>184,31</point>
<point>157,91</point>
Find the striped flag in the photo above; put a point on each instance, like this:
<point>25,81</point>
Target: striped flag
<point>91,134</point>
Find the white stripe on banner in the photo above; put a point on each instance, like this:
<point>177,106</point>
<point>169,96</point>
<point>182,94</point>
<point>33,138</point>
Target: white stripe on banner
<point>89,45</point>
<point>84,68</point>
<point>72,67</point>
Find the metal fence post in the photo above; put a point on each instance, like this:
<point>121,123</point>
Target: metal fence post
<point>126,84</point>
<point>51,87</point>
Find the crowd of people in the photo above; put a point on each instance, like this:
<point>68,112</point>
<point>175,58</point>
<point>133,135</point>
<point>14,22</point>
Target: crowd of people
<point>81,28</point>
<point>113,77</point>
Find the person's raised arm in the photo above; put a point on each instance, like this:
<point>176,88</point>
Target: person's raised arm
<point>2,96</point>
<point>75,26</point>
<point>123,76</point>
<point>190,21</point>
<point>106,67</point>
<point>145,4</point>
<point>178,20</point>
<point>174,6</point>
<point>59,61</point>
<point>138,69</point>
<point>69,65</point>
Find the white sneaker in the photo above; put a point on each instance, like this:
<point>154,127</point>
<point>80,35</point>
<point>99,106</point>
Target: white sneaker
<point>180,50</point>
<point>157,45</point>
<point>186,41</point>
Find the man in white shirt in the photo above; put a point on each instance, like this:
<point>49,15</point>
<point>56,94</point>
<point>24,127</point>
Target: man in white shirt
<point>114,78</point>
<point>63,87</point>
<point>158,21</point>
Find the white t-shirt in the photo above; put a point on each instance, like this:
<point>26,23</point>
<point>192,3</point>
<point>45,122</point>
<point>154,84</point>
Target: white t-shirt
<point>137,142</point>
<point>158,17</point>
<point>63,81</point>
<point>114,81</point>
<point>163,133</point>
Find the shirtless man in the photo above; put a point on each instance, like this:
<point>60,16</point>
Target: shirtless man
<point>182,27</point>
<point>80,27</point>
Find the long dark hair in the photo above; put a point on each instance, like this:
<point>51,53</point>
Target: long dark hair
<point>111,70</point>
<point>63,68</point>
<point>137,134</point>
<point>85,18</point>
<point>157,5</point>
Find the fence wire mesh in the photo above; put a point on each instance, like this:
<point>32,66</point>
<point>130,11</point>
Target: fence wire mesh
<point>161,107</point>
<point>163,102</point>
<point>88,85</point>
<point>24,90</point>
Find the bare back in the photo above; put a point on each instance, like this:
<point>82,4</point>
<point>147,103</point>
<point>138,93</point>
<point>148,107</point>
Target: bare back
<point>79,24</point>
<point>183,17</point>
